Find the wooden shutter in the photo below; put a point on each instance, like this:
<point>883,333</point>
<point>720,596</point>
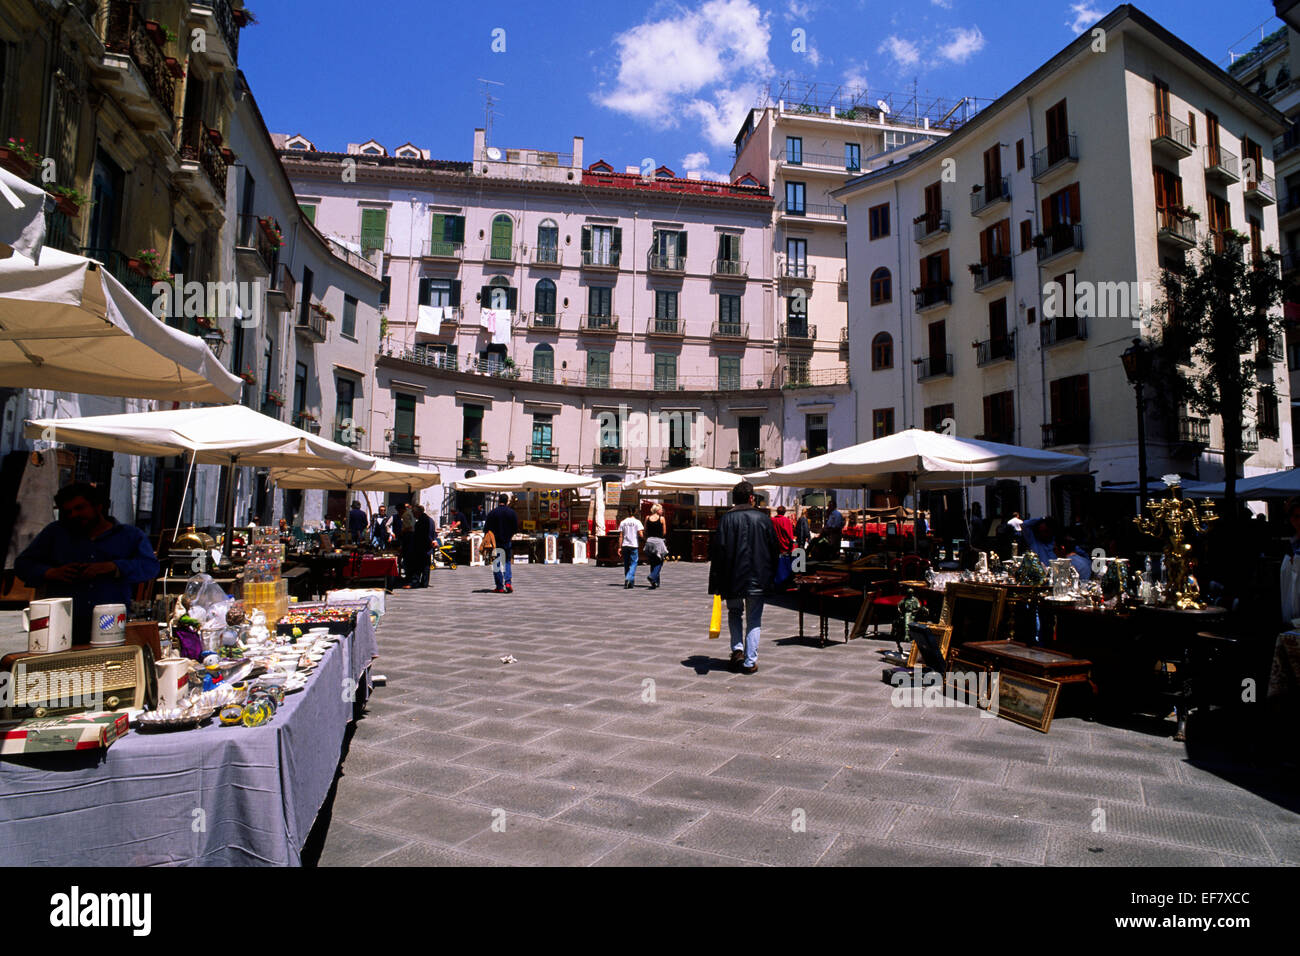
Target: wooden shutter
<point>457,224</point>
<point>426,294</point>
<point>654,243</point>
<point>374,225</point>
<point>512,299</point>
<point>1162,98</point>
<point>943,266</point>
<point>455,292</point>
<point>1004,237</point>
<point>616,243</point>
<point>681,244</point>
<point>1162,195</point>
<point>586,238</point>
<point>1076,209</point>
<point>1081,408</point>
<point>485,296</point>
<point>437,228</point>
<point>984,245</point>
<point>1026,235</point>
<point>989,427</point>
<point>1056,401</point>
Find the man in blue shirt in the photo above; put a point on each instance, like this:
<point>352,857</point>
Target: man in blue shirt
<point>87,556</point>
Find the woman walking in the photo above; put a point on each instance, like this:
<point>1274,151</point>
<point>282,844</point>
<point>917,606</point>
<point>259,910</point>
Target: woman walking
<point>656,547</point>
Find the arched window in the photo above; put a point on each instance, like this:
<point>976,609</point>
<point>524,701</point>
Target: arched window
<point>548,242</point>
<point>544,302</point>
<point>882,287</point>
<point>544,364</point>
<point>503,238</point>
<point>497,294</point>
<point>882,352</point>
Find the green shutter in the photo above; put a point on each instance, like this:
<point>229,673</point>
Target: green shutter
<point>437,235</point>
<point>374,228</point>
<point>308,213</point>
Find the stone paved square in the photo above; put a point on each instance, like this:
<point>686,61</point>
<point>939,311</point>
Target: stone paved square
<point>621,738</point>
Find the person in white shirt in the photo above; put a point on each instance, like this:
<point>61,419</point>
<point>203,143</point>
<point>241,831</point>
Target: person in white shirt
<point>631,530</point>
<point>1014,522</point>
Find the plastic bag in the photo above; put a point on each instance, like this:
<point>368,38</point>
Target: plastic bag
<point>715,619</point>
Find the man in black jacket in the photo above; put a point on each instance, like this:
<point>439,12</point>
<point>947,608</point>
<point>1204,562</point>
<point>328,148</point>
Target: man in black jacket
<point>504,524</point>
<point>743,566</point>
<point>417,557</point>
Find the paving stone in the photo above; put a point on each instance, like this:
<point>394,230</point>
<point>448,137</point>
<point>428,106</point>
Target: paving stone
<point>350,845</point>
<point>1218,801</point>
<point>526,841</point>
<point>1071,848</point>
<point>778,771</point>
<point>1113,763</point>
<point>540,798</point>
<point>636,853</point>
<point>830,811</point>
<point>1039,806</point>
<point>632,816</point>
<point>853,850</point>
<point>424,744</point>
<point>507,731</point>
<point>422,854</point>
<point>430,776</point>
<point>430,818</point>
<point>362,760</point>
<point>990,770</point>
<point>356,798</point>
<point>757,840</point>
<point>1061,780</point>
<point>510,758</point>
<point>1013,839</point>
<point>896,787</point>
<point>604,777</point>
<point>715,793</point>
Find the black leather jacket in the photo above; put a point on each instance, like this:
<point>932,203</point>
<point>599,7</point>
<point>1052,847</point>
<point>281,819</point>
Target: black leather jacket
<point>743,553</point>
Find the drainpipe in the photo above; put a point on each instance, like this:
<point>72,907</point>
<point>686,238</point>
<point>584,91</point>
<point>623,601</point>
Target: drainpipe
<point>899,361</point>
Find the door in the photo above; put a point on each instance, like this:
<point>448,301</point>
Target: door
<point>104,214</point>
<point>542,450</point>
<point>502,238</point>
<point>548,242</point>
<point>748,435</point>
<point>1058,133</point>
<point>796,258</point>
<point>794,198</point>
<point>1163,126</point>
<point>938,334</point>
<point>992,173</point>
<point>544,364</point>
<point>933,206</point>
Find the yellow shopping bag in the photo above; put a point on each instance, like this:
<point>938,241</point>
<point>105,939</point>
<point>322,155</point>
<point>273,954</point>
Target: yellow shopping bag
<point>715,620</point>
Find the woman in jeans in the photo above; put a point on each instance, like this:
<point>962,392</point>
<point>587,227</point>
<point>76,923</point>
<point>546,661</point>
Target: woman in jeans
<point>656,549</point>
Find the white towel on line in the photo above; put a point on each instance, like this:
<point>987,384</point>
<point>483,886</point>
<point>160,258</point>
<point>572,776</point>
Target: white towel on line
<point>497,322</point>
<point>429,321</point>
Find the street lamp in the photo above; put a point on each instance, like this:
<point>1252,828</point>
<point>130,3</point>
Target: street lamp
<point>1138,359</point>
<point>215,340</point>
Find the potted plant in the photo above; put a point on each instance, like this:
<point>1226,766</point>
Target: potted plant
<point>19,158</point>
<point>275,398</point>
<point>976,269</point>
<point>158,33</point>
<point>248,376</point>
<point>174,67</point>
<point>148,263</point>
<point>228,155</point>
<point>70,201</point>
<point>1040,240</point>
<point>1186,213</point>
<point>215,136</point>
<point>243,17</point>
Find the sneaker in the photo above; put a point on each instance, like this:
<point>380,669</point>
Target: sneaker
<point>753,669</point>
<point>499,591</point>
<point>737,658</point>
<point>510,589</point>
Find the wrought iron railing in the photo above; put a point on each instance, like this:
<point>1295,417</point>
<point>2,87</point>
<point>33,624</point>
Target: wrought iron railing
<point>1060,239</point>
<point>730,267</point>
<point>930,225</point>
<point>1174,225</point>
<point>543,454</point>
<point>995,350</point>
<point>663,326</point>
<point>1057,153</point>
<point>989,194</point>
<point>933,366</point>
<point>125,33</point>
<point>1067,433</point>
<point>730,330</point>
<point>933,294</point>
<point>259,234</point>
<point>666,262</point>
<point>996,269</point>
<point>1167,129</point>
<point>201,145</point>
<point>140,286</point>
<point>1063,329</point>
<point>1222,162</point>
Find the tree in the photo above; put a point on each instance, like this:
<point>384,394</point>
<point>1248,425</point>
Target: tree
<point>1220,313</point>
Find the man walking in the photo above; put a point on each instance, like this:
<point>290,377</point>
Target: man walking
<point>421,539</point>
<point>502,523</point>
<point>632,531</point>
<point>357,523</point>
<point>381,532</point>
<point>743,566</point>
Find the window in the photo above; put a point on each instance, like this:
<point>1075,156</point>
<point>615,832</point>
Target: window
<point>304,306</point>
<point>882,422</point>
<point>1026,235</point>
<point>1031,316</point>
<point>729,314</point>
<point>881,287</point>
<point>1220,219</point>
<point>938,340</point>
<point>548,241</point>
<point>446,234</point>
<point>299,390</point>
<point>882,352</point>
<point>543,364</point>
<point>308,210</point>
<point>403,424</point>
<point>1062,208</point>
<point>1020,154</point>
<point>542,449</point>
<point>995,249</point>
<point>668,249</point>
<point>1266,417</point>
<point>601,245</point>
<point>472,431</point>
<point>797,370</point>
<point>729,372</point>
<point>794,150</point>
<point>728,249</point>
<point>374,230</point>
<point>1070,411</point>
<point>498,294</point>
<point>386,293</point>
<point>794,198</point>
<point>680,425</point>
<point>665,372</point>
<point>1058,134</point>
<point>544,298</point>
<point>598,369</point>
<point>992,173</point>
<point>600,301</point>
<point>796,258</point>
<point>748,429</point>
<point>665,311</point>
<point>349,316</point>
<point>878,221</point>
<point>503,238</point>
<point>439,292</point>
<point>936,417</point>
<point>816,435</point>
<point>1000,418</point>
<point>268,364</point>
<point>796,315</point>
<point>345,394</point>
<point>852,157</point>
<point>1256,238</point>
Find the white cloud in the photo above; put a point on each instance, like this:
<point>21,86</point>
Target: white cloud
<point>794,10</point>
<point>1085,15</point>
<point>962,44</point>
<point>942,4</point>
<point>904,53</point>
<point>814,57</point>
<point>687,65</point>
<point>855,77</point>
<point>698,162</point>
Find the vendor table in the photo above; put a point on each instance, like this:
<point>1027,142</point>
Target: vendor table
<point>373,566</point>
<point>211,796</point>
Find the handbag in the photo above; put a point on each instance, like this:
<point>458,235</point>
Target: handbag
<point>784,571</point>
<point>489,543</point>
<point>715,619</point>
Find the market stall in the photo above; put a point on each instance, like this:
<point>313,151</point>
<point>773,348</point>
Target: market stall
<point>690,526</point>
<point>548,508</point>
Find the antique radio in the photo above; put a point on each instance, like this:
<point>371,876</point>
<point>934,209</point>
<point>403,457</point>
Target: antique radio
<point>75,681</point>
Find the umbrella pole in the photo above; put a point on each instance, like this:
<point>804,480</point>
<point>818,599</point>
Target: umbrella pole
<point>916,516</point>
<point>230,503</point>
<point>180,510</point>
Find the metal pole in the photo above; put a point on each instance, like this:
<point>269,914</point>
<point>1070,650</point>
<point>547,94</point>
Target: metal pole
<point>230,503</point>
<point>1142,450</point>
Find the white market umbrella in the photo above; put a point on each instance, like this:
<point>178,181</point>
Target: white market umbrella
<point>1278,484</point>
<point>696,478</point>
<point>69,326</point>
<point>528,478</point>
<point>22,215</point>
<point>386,476</point>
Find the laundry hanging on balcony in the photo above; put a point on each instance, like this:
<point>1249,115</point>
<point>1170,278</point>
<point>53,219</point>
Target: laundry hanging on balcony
<point>497,322</point>
<point>429,321</point>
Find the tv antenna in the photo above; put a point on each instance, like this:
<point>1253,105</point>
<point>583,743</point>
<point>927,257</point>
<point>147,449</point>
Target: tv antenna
<point>489,101</point>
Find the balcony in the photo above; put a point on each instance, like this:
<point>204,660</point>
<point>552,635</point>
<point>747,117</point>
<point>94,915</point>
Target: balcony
<point>502,253</point>
<point>1003,436</point>
<point>1289,206</point>
<point>1269,351</point>
<point>796,272</point>
<point>797,334</point>
<point>1249,439</point>
<point>665,264</point>
<point>990,195</point>
<point>283,289</point>
<point>989,274</point>
<point>601,260</point>
<point>1059,241</point>
<point>1063,329</point>
<point>134,68</point>
<point>540,321</point>
<point>350,437</point>
<point>1193,431</point>
<point>404,445</point>
<point>609,458</point>
<point>730,269</point>
<point>730,331</point>
<point>827,162</point>
<point>257,246</point>
<point>59,231</point>
<point>440,250</point>
<point>1176,227</point>
<point>1290,261</point>
<point>1055,157</point>
<point>600,324</point>
<point>1171,137</point>
<point>933,366</point>
<point>547,256</point>
<point>1261,190</point>
<point>543,454</point>
<point>931,226</point>
<point>746,460</point>
<point>1066,433</point>
<point>1222,165</point>
<point>1001,349</point>
<point>313,327</point>
<point>472,449</point>
<point>217,18</point>
<point>308,422</point>
<point>138,284</point>
<point>933,295</point>
<point>678,458</point>
<point>202,171</point>
<point>1286,143</point>
<point>813,211</point>
<point>666,328</point>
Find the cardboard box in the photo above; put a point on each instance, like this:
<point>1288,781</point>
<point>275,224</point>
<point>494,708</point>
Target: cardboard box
<point>94,731</point>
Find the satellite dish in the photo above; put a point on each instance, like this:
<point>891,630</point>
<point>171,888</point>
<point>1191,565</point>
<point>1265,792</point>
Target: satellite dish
<point>493,153</point>
<point>882,106</point>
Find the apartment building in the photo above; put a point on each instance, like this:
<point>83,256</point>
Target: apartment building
<point>544,307</point>
<point>1272,70</point>
<point>128,104</point>
<point>809,140</point>
<point>1105,164</point>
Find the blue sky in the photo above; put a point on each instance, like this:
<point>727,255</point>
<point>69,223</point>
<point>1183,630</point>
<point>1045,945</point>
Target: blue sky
<point>661,80</point>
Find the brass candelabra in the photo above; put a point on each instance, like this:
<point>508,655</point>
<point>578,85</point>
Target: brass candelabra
<point>1166,520</point>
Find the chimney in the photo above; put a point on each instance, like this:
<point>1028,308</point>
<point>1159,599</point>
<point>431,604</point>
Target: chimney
<point>480,145</point>
<point>577,152</point>
<point>632,170</point>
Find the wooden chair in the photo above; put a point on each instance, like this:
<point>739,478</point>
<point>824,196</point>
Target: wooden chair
<point>834,594</point>
<point>907,568</point>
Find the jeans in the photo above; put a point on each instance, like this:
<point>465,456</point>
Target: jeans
<point>630,558</point>
<point>745,616</point>
<point>502,577</point>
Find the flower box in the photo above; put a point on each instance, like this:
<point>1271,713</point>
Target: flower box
<point>215,136</point>
<point>67,206</point>
<point>228,155</point>
<point>157,32</point>
<point>175,68</point>
<point>11,160</point>
<point>138,267</point>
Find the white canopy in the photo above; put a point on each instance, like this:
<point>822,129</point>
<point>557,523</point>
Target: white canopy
<point>223,435</point>
<point>384,476</point>
<point>528,478</point>
<point>22,215</point>
<point>68,325</point>
<point>935,461</point>
<point>1278,484</point>
<point>696,478</point>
